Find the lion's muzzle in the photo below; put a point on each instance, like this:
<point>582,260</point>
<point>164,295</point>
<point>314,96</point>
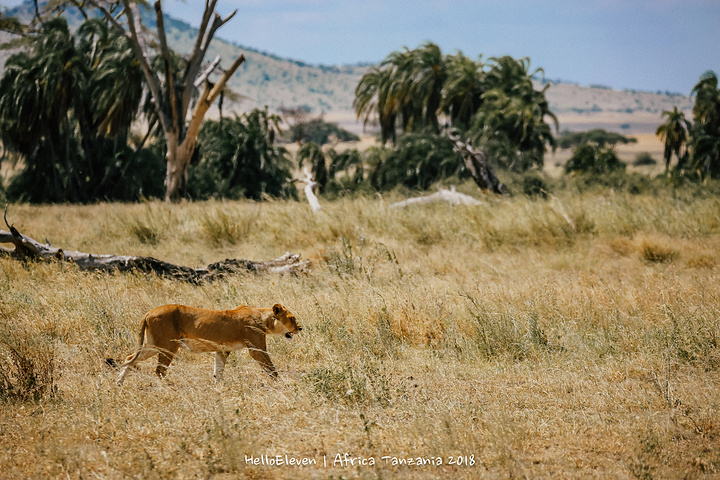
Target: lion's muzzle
<point>289,335</point>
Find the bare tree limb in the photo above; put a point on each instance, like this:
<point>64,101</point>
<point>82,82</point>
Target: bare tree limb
<point>177,122</point>
<point>477,164</point>
<point>206,73</point>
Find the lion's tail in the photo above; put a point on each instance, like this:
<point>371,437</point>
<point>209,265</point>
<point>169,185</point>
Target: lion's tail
<point>130,360</point>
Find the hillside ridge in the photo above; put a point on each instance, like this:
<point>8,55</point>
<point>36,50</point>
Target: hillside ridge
<point>268,80</point>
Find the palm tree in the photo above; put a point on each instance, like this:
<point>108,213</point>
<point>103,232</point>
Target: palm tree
<point>429,74</point>
<point>463,89</point>
<point>117,84</point>
<point>372,97</point>
<point>407,87</point>
<point>706,132</point>
<point>674,134</point>
<point>37,92</point>
<point>511,120</point>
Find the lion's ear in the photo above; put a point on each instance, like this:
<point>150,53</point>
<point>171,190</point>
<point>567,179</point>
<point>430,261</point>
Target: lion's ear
<point>278,309</point>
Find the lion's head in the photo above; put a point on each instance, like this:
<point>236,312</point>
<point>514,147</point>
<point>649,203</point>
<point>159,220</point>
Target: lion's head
<point>287,319</point>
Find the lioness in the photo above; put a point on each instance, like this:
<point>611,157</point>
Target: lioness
<point>165,328</point>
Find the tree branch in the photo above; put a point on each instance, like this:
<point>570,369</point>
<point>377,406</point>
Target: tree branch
<point>220,85</point>
<point>177,122</point>
<point>204,76</point>
<point>195,58</point>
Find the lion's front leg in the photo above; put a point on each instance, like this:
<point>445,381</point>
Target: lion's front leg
<point>262,357</point>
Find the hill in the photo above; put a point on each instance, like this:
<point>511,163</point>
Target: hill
<point>266,79</point>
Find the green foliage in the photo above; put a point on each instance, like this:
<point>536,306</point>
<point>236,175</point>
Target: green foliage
<point>344,162</point>
<point>510,123</point>
<point>238,158</point>
<point>320,132</point>
<point>534,185</point>
<point>311,154</point>
<point>674,134</point>
<point>494,104</point>
<point>66,106</point>
<point>705,134</point>
<point>597,136</point>
<point>644,159</point>
<point>417,161</point>
<point>594,159</point>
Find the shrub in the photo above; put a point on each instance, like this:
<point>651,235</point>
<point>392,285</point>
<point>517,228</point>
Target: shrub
<point>644,159</point>
<point>321,132</point>
<point>417,161</point>
<point>589,158</point>
<point>534,185</point>
<point>656,252</point>
<point>238,158</point>
<point>597,136</point>
<point>27,368</point>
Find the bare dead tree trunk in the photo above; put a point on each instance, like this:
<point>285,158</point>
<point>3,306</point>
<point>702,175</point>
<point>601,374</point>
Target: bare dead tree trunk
<point>172,98</point>
<point>477,164</point>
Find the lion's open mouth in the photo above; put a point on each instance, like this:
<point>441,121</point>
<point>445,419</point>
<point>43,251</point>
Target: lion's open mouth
<point>288,335</point>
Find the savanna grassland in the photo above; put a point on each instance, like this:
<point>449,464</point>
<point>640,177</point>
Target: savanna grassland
<point>571,337</point>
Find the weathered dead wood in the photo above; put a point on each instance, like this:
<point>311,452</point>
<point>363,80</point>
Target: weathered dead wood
<point>442,195</point>
<point>477,164</point>
<point>310,185</point>
<point>29,248</point>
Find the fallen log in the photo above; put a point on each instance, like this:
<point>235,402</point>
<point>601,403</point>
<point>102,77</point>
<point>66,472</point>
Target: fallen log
<point>442,195</point>
<point>29,248</point>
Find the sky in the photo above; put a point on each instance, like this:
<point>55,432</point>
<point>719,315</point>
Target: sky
<point>650,45</point>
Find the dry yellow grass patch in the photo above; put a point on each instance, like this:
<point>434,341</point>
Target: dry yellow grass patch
<point>503,337</point>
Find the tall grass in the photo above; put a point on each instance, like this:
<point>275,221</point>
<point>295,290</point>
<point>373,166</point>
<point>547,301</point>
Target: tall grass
<point>541,338</point>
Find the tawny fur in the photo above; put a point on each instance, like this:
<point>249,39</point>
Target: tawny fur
<point>164,329</point>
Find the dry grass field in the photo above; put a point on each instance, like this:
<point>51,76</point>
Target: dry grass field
<point>575,337</point>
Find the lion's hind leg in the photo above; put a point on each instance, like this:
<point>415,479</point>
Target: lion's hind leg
<point>220,361</point>
<point>146,351</point>
<point>165,357</point>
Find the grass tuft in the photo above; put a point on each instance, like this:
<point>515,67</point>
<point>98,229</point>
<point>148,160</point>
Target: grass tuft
<point>27,368</point>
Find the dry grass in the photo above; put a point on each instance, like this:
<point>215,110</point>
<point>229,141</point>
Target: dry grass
<point>529,338</point>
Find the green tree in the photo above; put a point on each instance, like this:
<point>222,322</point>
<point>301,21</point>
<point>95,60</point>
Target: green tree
<point>418,160</point>
<point>593,159</point>
<point>598,136</point>
<point>344,161</point>
<point>66,106</point>
<point>238,158</point>
<point>463,89</point>
<point>406,88</point>
<point>375,95</point>
<point>674,135</point>
<point>311,154</point>
<point>705,135</point>
<point>38,91</point>
<point>495,105</point>
<point>173,89</point>
<point>429,74</point>
<point>511,120</point>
